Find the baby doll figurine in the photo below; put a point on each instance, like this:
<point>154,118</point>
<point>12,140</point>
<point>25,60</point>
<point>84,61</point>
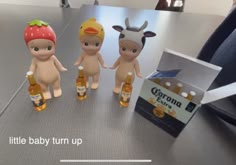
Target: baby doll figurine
<point>91,35</point>
<point>131,42</point>
<point>41,40</point>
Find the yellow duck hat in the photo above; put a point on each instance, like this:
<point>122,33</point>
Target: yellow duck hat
<point>91,27</point>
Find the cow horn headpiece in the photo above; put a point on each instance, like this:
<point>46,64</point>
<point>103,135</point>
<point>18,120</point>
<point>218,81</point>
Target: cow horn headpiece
<point>135,34</point>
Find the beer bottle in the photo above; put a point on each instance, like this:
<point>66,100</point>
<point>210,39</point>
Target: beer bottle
<point>157,80</point>
<point>167,85</point>
<point>35,93</point>
<point>191,95</point>
<point>184,94</point>
<point>81,84</point>
<point>178,88</point>
<point>126,91</point>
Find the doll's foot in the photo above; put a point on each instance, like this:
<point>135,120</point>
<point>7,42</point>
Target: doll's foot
<point>47,95</point>
<point>94,85</point>
<point>57,92</point>
<point>116,90</point>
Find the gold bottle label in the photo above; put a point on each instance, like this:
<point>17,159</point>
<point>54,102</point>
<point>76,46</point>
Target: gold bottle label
<point>125,97</point>
<point>81,90</point>
<point>37,100</point>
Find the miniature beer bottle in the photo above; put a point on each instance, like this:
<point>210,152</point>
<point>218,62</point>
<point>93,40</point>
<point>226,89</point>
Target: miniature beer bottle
<point>81,84</point>
<point>184,94</point>
<point>178,88</point>
<point>157,80</point>
<point>167,85</point>
<point>126,91</point>
<point>191,95</point>
<point>35,93</point>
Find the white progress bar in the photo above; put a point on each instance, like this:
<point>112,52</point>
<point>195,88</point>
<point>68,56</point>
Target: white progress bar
<point>106,161</point>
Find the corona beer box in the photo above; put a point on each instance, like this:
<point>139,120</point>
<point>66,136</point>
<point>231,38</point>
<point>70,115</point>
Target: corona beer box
<point>168,109</point>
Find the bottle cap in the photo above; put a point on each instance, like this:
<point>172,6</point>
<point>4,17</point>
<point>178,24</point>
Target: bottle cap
<point>29,73</point>
<point>192,93</point>
<point>179,85</point>
<point>184,94</point>
<point>130,73</point>
<point>80,67</point>
<point>168,84</point>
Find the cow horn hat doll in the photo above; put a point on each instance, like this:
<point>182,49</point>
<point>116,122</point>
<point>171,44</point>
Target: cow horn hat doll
<point>131,43</point>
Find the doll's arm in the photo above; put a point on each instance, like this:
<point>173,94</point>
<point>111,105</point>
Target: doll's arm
<point>100,59</point>
<point>58,64</point>
<point>80,59</point>
<point>32,66</point>
<point>137,69</point>
<point>117,63</point>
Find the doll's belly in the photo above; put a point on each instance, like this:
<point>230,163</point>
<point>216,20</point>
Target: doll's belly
<point>47,74</point>
<point>91,66</point>
<point>122,72</point>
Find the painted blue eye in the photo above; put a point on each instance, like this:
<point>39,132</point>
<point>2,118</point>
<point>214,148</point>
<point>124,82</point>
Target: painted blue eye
<point>36,49</point>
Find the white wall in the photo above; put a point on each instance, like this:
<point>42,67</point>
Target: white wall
<point>32,2</point>
<point>218,7</point>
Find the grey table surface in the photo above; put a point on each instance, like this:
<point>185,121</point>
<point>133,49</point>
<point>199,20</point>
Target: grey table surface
<point>107,130</point>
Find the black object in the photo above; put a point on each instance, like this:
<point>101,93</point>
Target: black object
<point>220,49</point>
<point>190,107</point>
<point>65,4</point>
<point>218,37</point>
<point>223,114</point>
<point>163,5</point>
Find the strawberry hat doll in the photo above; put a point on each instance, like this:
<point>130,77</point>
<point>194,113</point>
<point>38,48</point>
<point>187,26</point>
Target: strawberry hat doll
<point>41,40</point>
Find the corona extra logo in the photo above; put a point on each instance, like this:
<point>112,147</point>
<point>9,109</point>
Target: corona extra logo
<point>165,99</point>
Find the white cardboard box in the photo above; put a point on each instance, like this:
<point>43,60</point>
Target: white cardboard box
<point>171,111</point>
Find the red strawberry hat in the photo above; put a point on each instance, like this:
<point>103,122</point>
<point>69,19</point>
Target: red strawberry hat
<point>37,29</point>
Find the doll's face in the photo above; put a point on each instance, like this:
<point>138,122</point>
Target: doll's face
<point>41,49</point>
<point>129,49</point>
<point>90,44</point>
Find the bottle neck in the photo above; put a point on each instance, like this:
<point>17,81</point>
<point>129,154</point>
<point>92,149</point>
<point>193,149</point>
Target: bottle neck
<point>128,79</point>
<point>81,73</point>
<point>31,80</point>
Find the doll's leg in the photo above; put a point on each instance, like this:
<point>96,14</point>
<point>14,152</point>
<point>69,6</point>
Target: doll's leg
<point>116,89</point>
<point>45,90</point>
<point>86,79</point>
<point>95,81</point>
<point>57,88</point>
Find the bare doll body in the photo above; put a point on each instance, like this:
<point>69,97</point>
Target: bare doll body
<point>131,43</point>
<point>127,62</point>
<point>91,35</point>
<point>91,67</point>
<point>42,69</point>
<point>41,42</point>
<point>123,67</point>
